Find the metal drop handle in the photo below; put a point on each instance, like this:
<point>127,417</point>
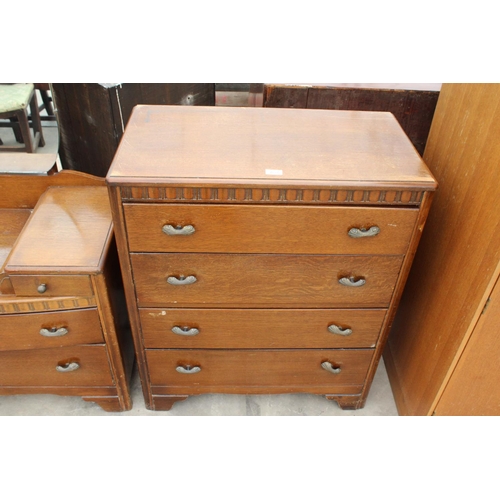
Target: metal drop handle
<point>54,332</point>
<point>188,369</point>
<point>42,288</point>
<point>326,365</point>
<point>351,281</point>
<point>185,330</point>
<point>178,230</point>
<point>68,367</point>
<point>181,280</point>
<point>357,232</point>
<point>339,331</point>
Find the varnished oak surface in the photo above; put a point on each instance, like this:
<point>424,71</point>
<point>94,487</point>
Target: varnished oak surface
<point>260,328</point>
<point>247,179</point>
<point>66,232</point>
<point>273,229</point>
<point>56,284</point>
<point>237,280</point>
<point>11,224</point>
<point>22,331</point>
<point>299,370</point>
<point>473,389</point>
<point>24,191</point>
<point>456,265</point>
<point>255,146</point>
<point>37,367</point>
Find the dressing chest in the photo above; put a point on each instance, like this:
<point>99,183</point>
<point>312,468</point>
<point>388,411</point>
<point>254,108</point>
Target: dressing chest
<point>264,250</point>
<point>64,327</point>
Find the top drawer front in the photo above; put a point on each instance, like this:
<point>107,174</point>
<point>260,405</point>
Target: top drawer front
<point>276,229</point>
<point>52,285</point>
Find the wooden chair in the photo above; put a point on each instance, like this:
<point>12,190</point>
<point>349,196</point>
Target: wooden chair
<point>14,101</point>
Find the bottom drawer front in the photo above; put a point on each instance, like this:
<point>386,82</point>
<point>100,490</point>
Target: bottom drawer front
<point>78,366</point>
<point>50,329</point>
<point>196,371</point>
<point>261,328</point>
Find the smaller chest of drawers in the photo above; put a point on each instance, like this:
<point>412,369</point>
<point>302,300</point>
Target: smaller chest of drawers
<point>264,250</point>
<point>64,327</point>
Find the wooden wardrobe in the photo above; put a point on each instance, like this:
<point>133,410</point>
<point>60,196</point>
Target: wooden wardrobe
<point>443,351</point>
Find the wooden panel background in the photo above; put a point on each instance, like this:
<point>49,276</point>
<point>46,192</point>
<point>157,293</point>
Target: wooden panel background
<point>456,264</point>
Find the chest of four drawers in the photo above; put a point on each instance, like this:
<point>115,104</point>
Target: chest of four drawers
<point>263,250</point>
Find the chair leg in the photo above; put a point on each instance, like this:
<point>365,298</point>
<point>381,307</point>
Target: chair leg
<point>47,102</point>
<point>22,116</point>
<point>37,124</point>
<point>16,130</point>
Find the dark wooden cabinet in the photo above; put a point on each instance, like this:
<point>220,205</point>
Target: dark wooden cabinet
<point>264,250</point>
<point>93,116</point>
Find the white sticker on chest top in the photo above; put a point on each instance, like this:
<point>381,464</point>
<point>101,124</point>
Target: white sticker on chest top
<point>273,172</point>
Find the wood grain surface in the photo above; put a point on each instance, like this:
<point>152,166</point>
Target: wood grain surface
<point>57,285</point>
<point>456,265</point>
<point>37,367</point>
<point>22,331</point>
<point>282,146</point>
<point>237,371</point>
<point>238,280</point>
<point>255,229</point>
<point>11,224</point>
<point>68,232</point>
<point>260,328</point>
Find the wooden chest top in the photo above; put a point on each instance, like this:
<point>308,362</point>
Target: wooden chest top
<point>261,146</point>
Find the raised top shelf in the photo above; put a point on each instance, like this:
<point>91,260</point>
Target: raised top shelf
<point>69,231</point>
<point>258,146</point>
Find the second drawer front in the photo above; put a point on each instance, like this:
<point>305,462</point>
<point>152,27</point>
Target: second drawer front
<point>294,369</point>
<point>51,329</point>
<point>38,367</point>
<point>53,285</point>
<point>260,328</point>
<point>264,280</point>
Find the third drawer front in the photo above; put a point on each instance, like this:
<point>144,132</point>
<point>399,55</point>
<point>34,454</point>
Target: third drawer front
<point>50,329</point>
<point>215,280</point>
<point>198,371</point>
<point>260,328</point>
<point>59,367</point>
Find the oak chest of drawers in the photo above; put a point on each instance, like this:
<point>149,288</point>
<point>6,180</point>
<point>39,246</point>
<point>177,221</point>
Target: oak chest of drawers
<point>264,250</point>
<point>63,322</point>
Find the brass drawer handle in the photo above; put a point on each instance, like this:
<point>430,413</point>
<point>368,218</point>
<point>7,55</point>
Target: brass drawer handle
<point>54,332</point>
<point>188,369</point>
<point>339,331</point>
<point>68,367</point>
<point>351,281</point>
<point>357,232</point>
<point>181,280</point>
<point>326,365</point>
<point>185,330</point>
<point>42,288</point>
<point>178,230</point>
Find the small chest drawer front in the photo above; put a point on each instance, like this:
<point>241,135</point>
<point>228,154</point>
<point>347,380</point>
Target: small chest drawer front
<point>193,371</point>
<point>50,329</point>
<point>275,229</point>
<point>215,280</point>
<point>57,367</point>
<point>52,285</point>
<point>260,328</point>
